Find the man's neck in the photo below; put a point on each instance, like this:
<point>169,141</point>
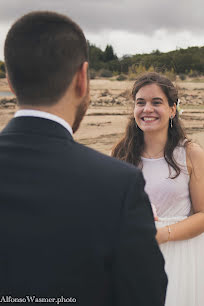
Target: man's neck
<point>56,110</point>
<point>45,115</point>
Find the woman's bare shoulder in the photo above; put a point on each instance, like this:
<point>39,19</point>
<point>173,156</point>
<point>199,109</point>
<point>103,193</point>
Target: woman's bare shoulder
<point>194,156</point>
<point>194,150</point>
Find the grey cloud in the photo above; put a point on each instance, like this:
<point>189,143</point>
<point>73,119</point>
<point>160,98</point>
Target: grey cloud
<point>144,16</point>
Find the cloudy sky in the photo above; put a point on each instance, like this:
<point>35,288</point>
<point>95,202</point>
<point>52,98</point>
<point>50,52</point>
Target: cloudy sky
<point>130,26</point>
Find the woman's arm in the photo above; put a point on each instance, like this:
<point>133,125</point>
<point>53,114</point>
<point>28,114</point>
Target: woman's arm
<point>193,225</point>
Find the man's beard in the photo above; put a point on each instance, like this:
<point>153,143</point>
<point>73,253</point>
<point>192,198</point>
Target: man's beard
<point>80,112</point>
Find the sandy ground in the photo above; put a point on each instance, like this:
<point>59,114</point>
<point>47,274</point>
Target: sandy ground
<point>111,105</point>
<point>103,127</point>
<point>105,124</point>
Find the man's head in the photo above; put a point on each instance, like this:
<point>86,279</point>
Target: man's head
<point>43,53</point>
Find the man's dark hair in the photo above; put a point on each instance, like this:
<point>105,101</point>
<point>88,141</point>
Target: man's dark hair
<point>43,51</point>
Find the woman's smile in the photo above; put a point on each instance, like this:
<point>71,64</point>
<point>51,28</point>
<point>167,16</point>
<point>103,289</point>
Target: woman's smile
<point>148,119</point>
<point>152,111</point>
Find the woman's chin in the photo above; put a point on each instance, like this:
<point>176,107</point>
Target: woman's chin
<point>150,128</point>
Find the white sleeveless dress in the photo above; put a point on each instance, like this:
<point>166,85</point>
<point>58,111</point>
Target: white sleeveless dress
<point>184,260</point>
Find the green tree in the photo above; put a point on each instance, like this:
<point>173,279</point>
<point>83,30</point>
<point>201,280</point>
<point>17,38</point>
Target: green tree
<point>2,66</point>
<point>95,57</point>
<point>2,70</point>
<point>109,54</point>
<point>175,62</point>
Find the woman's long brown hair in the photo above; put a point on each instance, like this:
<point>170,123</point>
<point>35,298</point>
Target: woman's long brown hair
<point>131,146</point>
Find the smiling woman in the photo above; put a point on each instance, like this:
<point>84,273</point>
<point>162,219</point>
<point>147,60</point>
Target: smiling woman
<point>152,110</point>
<point>173,168</point>
<point>155,114</point>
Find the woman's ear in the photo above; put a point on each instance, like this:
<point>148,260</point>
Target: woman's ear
<point>82,80</point>
<point>173,110</point>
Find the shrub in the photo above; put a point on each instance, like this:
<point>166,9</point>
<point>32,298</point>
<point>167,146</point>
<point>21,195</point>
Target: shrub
<point>92,74</point>
<point>2,75</point>
<point>132,76</point>
<point>193,74</point>
<point>115,73</point>
<point>182,76</point>
<point>105,73</point>
<point>2,66</point>
<point>121,77</point>
<point>170,74</point>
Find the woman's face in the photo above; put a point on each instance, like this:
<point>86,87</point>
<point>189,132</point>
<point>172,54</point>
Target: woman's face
<point>152,111</point>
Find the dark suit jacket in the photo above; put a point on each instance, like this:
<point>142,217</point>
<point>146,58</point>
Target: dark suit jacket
<point>74,222</point>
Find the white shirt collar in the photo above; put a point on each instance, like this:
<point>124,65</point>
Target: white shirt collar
<point>45,115</point>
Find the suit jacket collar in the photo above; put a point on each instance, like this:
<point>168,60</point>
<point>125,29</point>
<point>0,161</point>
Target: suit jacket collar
<point>42,114</point>
<point>38,126</point>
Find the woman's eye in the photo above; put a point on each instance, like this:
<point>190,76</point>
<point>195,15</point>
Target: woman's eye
<point>140,103</point>
<point>157,102</point>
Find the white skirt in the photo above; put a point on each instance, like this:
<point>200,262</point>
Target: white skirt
<point>184,265</point>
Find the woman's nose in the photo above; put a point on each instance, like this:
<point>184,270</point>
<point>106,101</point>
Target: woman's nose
<point>148,107</point>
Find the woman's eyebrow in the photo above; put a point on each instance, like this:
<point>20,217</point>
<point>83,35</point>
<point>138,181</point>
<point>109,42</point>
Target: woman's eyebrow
<point>157,98</point>
<point>139,99</point>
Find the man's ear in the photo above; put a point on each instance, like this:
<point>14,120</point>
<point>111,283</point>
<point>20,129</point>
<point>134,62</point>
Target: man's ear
<point>9,83</point>
<point>82,80</point>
